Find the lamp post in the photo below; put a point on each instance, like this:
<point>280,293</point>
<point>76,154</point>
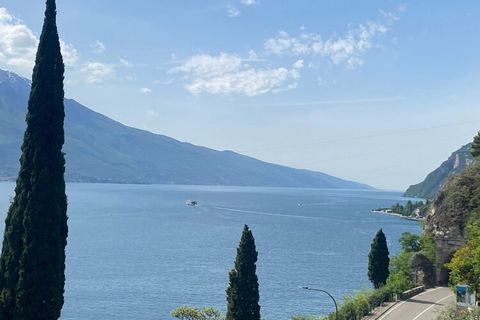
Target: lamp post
<point>320,290</point>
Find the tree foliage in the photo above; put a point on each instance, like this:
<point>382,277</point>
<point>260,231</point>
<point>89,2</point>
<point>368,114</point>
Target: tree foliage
<point>32,264</point>
<point>242,293</point>
<point>399,279</point>
<point>378,260</point>
<point>476,146</point>
<point>427,245</point>
<point>410,242</point>
<point>465,264</point>
<point>410,208</point>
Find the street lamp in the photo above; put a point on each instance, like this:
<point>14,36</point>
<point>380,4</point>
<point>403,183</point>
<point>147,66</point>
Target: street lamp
<point>320,290</point>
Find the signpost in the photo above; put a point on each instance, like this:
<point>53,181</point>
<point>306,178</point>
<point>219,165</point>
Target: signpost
<point>466,296</point>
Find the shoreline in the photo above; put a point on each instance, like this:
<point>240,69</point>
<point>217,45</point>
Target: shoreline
<point>397,215</point>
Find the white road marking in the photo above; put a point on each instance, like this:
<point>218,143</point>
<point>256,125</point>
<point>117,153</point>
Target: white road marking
<point>433,305</point>
<point>401,303</point>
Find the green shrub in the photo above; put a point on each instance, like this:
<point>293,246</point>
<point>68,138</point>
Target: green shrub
<point>348,311</point>
<point>362,304</point>
<point>191,313</point>
<point>399,282</point>
<point>453,313</point>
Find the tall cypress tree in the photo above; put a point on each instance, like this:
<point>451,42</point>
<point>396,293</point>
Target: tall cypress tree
<point>242,293</point>
<point>32,264</point>
<point>378,260</point>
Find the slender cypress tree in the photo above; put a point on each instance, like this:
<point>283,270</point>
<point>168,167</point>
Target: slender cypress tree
<point>32,264</point>
<point>475,151</point>
<point>242,293</point>
<point>378,260</point>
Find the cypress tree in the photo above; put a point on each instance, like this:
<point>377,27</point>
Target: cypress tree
<point>475,151</point>
<point>378,260</point>
<point>32,263</point>
<point>242,293</point>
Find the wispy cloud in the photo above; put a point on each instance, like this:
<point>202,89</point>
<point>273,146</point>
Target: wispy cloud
<point>248,2</point>
<point>347,49</point>
<point>226,73</point>
<point>229,74</point>
<point>98,47</point>
<point>145,90</point>
<point>18,45</point>
<point>232,12</point>
<point>97,73</point>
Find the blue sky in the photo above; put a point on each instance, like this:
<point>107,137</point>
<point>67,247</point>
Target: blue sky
<point>375,91</point>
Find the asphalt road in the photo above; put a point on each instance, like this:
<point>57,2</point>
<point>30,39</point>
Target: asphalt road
<point>425,306</point>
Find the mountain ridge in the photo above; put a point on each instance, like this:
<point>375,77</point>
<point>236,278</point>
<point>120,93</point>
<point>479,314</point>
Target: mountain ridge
<point>100,149</point>
<point>431,185</point>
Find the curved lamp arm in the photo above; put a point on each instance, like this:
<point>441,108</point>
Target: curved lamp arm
<point>320,290</point>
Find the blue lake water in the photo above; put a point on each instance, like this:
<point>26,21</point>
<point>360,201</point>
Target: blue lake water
<point>137,252</point>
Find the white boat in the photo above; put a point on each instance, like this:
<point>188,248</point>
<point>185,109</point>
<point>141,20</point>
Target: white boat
<point>191,203</point>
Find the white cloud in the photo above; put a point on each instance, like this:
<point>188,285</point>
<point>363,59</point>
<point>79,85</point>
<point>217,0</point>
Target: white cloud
<point>97,73</point>
<point>248,2</point>
<point>347,49</point>
<point>232,12</point>
<point>18,45</point>
<point>227,74</point>
<point>69,53</point>
<point>145,90</point>
<point>98,47</point>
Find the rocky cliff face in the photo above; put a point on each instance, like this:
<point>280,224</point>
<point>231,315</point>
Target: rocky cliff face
<point>451,211</point>
<point>456,163</point>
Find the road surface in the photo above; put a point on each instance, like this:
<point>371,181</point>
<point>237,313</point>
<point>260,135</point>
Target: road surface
<point>425,306</point>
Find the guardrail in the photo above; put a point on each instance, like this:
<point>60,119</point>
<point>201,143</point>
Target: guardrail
<point>412,292</point>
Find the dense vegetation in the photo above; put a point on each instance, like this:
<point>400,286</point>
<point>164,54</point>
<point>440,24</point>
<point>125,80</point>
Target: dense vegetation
<point>32,264</point>
<point>417,209</point>
<point>465,264</point>
<point>457,201</point>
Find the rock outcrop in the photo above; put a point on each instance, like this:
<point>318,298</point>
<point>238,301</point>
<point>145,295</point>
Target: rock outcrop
<point>456,163</point>
<point>451,211</point>
<point>423,270</point>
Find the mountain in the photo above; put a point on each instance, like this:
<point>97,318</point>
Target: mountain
<point>456,204</point>
<point>99,149</point>
<point>429,187</point>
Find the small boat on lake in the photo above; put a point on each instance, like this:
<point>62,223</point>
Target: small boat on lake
<point>191,203</point>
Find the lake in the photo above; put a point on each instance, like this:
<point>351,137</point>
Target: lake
<point>137,251</point>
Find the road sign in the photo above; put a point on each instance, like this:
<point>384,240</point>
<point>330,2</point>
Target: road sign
<point>466,295</point>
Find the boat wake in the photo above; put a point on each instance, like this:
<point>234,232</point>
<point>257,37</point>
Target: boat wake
<point>272,214</point>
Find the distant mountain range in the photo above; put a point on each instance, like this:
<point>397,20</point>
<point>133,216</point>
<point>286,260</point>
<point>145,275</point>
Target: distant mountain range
<point>99,149</point>
<point>429,187</point>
